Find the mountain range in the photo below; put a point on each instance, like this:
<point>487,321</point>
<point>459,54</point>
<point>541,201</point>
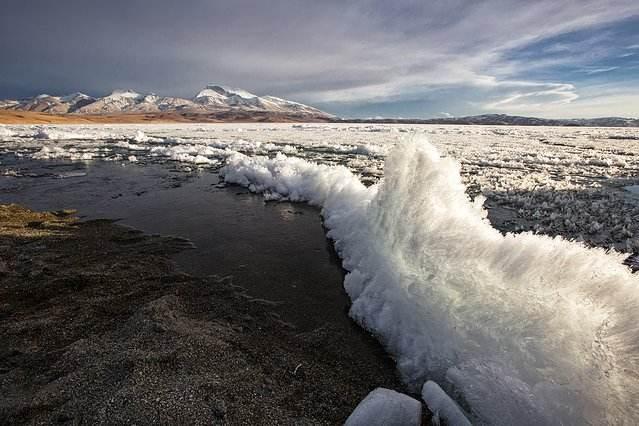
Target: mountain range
<point>510,120</point>
<point>220,103</point>
<point>212,99</point>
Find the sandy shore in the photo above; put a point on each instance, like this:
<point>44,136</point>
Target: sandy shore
<point>100,326</point>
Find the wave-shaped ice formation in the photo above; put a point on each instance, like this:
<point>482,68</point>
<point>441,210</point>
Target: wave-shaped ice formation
<point>522,329</point>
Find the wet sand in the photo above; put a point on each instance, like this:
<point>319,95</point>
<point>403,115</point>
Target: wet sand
<point>105,324</point>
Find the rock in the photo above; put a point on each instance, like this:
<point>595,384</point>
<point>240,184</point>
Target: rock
<point>219,408</point>
<point>65,212</point>
<point>385,407</point>
<point>632,262</point>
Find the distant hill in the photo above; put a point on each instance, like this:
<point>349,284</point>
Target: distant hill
<point>216,103</point>
<point>511,120</point>
<point>213,99</point>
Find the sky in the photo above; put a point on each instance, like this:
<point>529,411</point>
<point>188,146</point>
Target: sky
<point>361,58</point>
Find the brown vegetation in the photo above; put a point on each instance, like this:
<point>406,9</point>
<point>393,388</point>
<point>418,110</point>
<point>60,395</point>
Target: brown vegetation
<point>27,117</point>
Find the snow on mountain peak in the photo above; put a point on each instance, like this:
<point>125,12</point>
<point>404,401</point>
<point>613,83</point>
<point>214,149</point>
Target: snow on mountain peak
<point>75,97</point>
<point>222,96</point>
<point>227,91</point>
<point>211,92</point>
<point>124,93</point>
<point>213,98</point>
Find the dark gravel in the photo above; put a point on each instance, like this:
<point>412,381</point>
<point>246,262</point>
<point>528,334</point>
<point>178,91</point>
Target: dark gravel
<point>99,326</point>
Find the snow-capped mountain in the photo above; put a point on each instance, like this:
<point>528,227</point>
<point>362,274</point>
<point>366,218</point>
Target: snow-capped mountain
<point>238,98</point>
<point>213,98</point>
<point>117,101</point>
<point>129,101</point>
<point>49,104</point>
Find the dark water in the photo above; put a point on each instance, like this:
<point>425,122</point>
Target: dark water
<point>277,251</point>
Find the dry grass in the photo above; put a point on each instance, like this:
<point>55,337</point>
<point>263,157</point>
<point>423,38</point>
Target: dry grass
<point>27,117</point>
<point>18,222</point>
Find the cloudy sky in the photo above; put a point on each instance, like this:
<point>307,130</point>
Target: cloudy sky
<point>549,58</point>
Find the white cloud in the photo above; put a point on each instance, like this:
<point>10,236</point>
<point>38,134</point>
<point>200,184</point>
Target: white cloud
<point>599,70</point>
<point>537,96</point>
<point>610,99</point>
<point>470,52</point>
<point>362,51</point>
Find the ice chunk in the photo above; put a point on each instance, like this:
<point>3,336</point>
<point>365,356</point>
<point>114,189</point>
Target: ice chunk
<point>56,152</point>
<point>442,406</point>
<point>5,132</point>
<point>140,137</point>
<point>196,154</point>
<point>131,146</point>
<point>54,132</point>
<point>385,407</point>
<point>51,134</point>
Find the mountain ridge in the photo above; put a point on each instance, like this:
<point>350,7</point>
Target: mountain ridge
<point>212,99</point>
<point>219,103</point>
<point>507,120</point>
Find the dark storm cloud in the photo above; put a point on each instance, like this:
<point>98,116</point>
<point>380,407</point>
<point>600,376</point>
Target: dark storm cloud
<point>170,46</point>
<point>329,52</point>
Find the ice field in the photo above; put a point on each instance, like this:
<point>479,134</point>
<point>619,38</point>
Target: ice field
<point>537,327</point>
<point>552,180</point>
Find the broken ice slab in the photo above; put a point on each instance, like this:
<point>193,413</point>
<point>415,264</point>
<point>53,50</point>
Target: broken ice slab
<point>442,406</point>
<point>385,407</point>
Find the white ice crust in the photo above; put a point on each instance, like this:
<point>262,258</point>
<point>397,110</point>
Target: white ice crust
<point>527,329</point>
<point>442,406</point>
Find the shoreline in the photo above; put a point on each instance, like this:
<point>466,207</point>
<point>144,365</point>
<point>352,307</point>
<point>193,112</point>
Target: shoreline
<point>273,249</point>
<point>10,117</point>
<point>18,117</point>
<point>100,324</point>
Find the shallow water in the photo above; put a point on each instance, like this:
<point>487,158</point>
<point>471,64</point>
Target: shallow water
<point>557,180</point>
<point>277,251</point>
<point>633,189</point>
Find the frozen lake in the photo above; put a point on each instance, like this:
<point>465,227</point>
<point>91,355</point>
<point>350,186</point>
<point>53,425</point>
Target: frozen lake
<point>519,326</point>
<point>551,180</point>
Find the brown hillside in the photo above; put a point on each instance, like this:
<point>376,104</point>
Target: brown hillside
<point>24,117</point>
